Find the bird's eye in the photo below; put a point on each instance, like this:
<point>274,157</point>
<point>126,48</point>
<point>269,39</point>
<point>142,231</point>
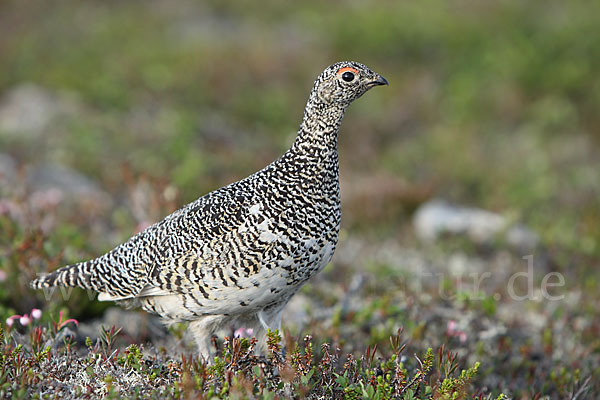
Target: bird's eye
<point>348,73</point>
<point>348,76</point>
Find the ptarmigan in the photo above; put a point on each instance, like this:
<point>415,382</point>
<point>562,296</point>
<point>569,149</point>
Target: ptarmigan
<point>238,254</point>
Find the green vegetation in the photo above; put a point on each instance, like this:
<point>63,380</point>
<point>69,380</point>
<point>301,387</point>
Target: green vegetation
<point>236,372</point>
<point>490,104</point>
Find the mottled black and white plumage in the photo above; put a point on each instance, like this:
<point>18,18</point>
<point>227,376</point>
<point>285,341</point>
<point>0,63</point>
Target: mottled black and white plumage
<point>238,254</point>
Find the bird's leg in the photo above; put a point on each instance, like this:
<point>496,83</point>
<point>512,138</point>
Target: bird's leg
<point>202,330</point>
<point>268,319</point>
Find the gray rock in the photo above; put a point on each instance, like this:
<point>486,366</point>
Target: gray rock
<point>27,109</point>
<point>52,182</point>
<point>52,176</point>
<point>437,217</point>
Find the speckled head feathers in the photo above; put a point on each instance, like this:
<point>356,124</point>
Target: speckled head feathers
<point>345,81</point>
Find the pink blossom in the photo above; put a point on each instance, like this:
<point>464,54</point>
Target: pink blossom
<point>36,313</point>
<point>452,331</point>
<point>25,320</point>
<point>2,275</point>
<point>11,320</point>
<point>451,328</point>
<point>243,332</point>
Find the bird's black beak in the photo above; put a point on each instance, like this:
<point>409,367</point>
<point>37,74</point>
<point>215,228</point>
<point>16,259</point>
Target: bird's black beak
<point>379,81</point>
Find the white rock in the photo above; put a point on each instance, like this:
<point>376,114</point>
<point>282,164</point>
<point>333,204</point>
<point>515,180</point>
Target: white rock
<point>27,109</point>
<point>437,217</point>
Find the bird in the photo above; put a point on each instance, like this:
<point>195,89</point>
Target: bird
<point>236,256</point>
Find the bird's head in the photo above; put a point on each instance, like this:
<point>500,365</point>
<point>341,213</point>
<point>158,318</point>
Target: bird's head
<point>344,82</point>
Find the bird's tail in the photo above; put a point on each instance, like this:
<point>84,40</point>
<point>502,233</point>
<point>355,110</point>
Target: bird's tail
<point>71,275</point>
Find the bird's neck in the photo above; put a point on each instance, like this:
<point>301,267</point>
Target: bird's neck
<point>312,161</point>
<point>318,134</point>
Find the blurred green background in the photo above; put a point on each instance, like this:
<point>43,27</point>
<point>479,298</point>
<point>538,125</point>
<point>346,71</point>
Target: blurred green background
<point>490,104</point>
<point>493,104</point>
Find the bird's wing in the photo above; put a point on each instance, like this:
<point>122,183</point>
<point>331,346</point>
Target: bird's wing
<point>215,245</point>
<point>164,248</point>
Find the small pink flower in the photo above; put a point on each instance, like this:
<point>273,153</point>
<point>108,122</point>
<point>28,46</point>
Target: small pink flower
<point>451,328</point>
<point>11,320</point>
<point>25,320</point>
<point>243,332</point>
<point>453,332</point>
<point>36,313</point>
<point>2,275</point>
